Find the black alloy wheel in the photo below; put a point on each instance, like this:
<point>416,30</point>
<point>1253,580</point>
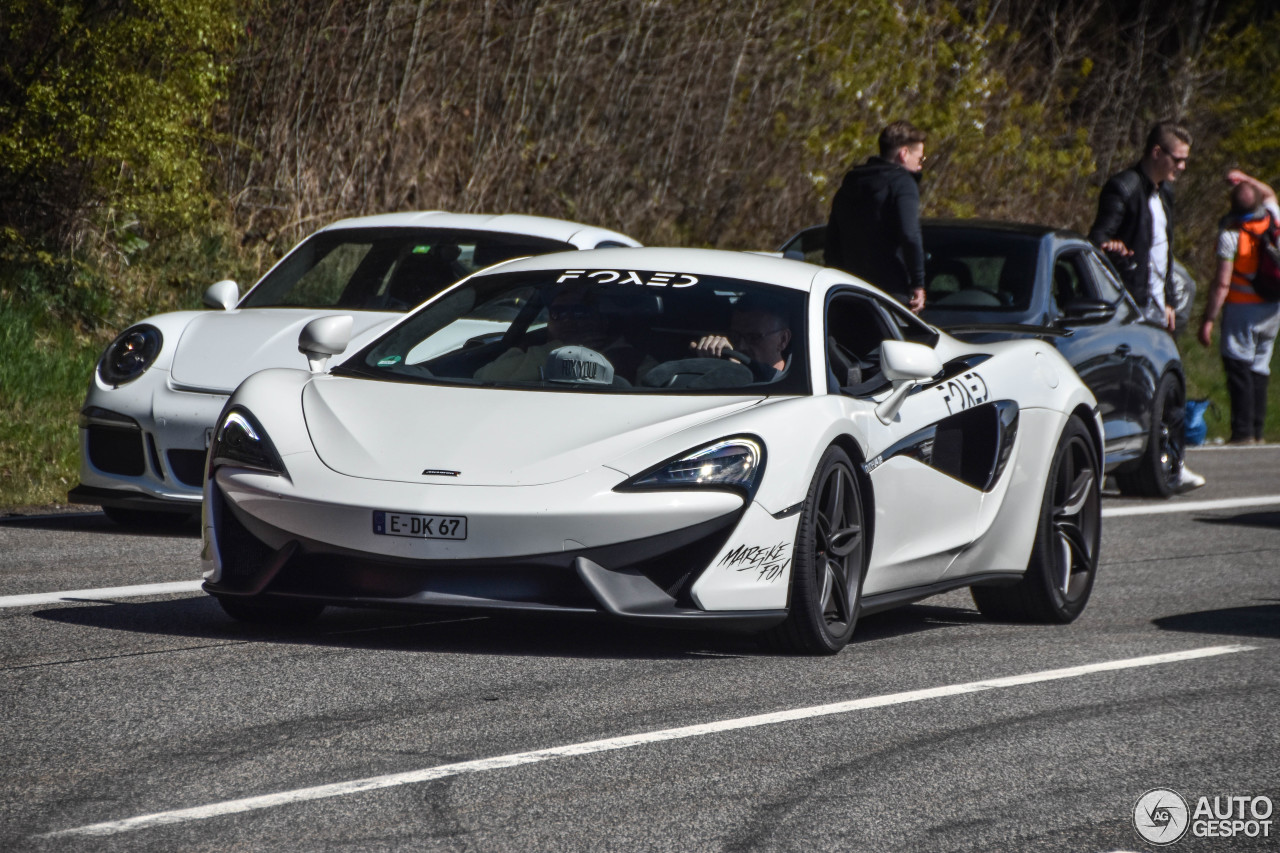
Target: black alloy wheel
<point>828,561</point>
<point>1064,556</point>
<point>1159,471</point>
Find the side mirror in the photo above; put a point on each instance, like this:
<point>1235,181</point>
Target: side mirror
<point>223,294</point>
<point>1087,311</point>
<point>323,337</point>
<point>905,365</point>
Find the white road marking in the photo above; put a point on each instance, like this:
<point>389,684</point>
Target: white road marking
<point>102,594</point>
<point>341,789</point>
<point>1189,506</point>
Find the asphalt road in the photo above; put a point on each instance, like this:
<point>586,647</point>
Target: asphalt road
<point>155,723</point>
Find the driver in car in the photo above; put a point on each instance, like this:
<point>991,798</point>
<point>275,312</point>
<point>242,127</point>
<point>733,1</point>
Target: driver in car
<point>573,319</point>
<point>758,330</point>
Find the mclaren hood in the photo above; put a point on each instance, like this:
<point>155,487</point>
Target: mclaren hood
<point>484,436</point>
<point>218,351</point>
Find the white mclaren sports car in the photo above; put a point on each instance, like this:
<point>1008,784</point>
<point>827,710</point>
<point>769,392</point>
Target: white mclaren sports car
<point>672,436</point>
<point>156,392</point>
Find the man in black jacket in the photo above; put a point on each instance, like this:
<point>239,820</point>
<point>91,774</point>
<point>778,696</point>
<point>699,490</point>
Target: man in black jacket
<point>1134,224</point>
<point>874,229</point>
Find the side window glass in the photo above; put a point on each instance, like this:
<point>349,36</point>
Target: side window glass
<point>1109,288</point>
<point>855,328</point>
<point>907,326</point>
<point>1070,279</point>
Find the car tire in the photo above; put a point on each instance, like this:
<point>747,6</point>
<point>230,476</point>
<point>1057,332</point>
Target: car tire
<point>828,562</point>
<point>1064,555</point>
<point>143,519</point>
<point>271,611</point>
<point>1157,473</point>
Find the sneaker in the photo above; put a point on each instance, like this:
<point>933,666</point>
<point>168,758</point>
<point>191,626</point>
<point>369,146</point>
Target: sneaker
<point>1188,480</point>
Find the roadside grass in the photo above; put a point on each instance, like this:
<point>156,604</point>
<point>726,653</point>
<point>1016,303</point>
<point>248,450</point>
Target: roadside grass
<point>44,370</point>
<point>47,357</point>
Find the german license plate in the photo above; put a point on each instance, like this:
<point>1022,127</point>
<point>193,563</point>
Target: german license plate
<point>419,526</point>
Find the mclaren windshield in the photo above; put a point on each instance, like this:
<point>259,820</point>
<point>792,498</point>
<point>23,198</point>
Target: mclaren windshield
<point>385,269</point>
<point>606,331</point>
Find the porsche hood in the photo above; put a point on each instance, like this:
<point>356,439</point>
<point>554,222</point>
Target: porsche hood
<point>218,351</point>
<point>484,436</point>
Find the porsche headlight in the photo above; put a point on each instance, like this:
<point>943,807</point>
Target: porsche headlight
<point>130,354</point>
<point>733,463</point>
<point>241,442</point>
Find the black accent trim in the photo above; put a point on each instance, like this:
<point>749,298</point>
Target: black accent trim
<point>105,417</point>
<point>129,500</point>
<point>789,511</point>
<point>896,598</point>
<point>957,366</point>
<point>1009,419</point>
<point>187,466</point>
<point>116,449</point>
<point>972,446</point>
<point>630,596</point>
<point>153,453</point>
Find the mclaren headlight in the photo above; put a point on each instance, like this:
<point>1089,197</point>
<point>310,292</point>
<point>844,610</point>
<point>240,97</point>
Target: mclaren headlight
<point>239,441</point>
<point>732,463</point>
<point>130,354</point>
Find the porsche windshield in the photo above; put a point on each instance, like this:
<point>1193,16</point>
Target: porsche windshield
<point>385,269</point>
<point>610,331</point>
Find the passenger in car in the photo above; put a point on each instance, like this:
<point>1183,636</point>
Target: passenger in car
<point>573,319</point>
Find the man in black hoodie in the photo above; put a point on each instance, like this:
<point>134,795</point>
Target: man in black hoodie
<point>874,229</point>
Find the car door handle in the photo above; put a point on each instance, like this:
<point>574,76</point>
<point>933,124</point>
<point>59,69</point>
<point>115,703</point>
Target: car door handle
<point>1123,349</point>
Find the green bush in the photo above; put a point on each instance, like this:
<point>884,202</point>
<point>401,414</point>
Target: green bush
<point>106,110</point>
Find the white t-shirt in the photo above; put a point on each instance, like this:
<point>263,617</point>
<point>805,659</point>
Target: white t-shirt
<point>1229,240</point>
<point>1159,266</point>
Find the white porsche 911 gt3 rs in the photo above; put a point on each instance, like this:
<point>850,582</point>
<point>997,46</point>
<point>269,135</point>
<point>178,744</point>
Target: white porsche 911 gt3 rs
<point>674,436</point>
<point>149,413</point>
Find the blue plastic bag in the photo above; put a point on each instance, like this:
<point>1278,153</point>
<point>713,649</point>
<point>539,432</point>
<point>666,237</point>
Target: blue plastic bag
<point>1196,428</point>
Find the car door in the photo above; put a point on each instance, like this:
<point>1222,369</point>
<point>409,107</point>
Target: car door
<point>925,511</point>
<point>1099,350</point>
<point>1142,343</point>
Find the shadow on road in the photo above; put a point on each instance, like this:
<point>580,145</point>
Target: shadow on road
<point>96,522</point>
<point>468,633</point>
<point>1262,620</point>
<point>1249,519</point>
